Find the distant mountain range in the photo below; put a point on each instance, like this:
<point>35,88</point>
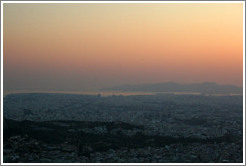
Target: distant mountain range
<point>205,87</point>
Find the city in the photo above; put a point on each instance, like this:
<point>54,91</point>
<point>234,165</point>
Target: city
<point>167,127</point>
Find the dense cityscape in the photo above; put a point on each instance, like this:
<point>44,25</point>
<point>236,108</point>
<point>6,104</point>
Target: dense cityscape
<point>161,128</point>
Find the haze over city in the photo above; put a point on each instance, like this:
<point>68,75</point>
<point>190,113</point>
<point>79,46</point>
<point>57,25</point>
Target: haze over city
<point>91,46</point>
<point>123,82</point>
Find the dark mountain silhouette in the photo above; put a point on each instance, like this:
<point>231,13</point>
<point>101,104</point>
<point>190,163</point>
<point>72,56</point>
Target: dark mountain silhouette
<point>205,87</point>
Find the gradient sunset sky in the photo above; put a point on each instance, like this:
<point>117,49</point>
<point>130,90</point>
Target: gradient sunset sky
<point>88,46</point>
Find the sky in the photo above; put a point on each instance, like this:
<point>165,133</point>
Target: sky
<point>89,46</point>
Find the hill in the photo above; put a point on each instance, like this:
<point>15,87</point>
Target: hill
<point>205,87</point>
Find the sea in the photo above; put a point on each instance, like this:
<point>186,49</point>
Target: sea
<point>112,93</point>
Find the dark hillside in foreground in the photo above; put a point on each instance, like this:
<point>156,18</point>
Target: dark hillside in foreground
<point>54,140</point>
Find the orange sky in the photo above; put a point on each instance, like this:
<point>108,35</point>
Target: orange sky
<point>87,46</point>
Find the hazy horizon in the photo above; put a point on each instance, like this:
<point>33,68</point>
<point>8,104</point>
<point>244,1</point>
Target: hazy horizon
<point>104,89</point>
<point>86,47</point>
